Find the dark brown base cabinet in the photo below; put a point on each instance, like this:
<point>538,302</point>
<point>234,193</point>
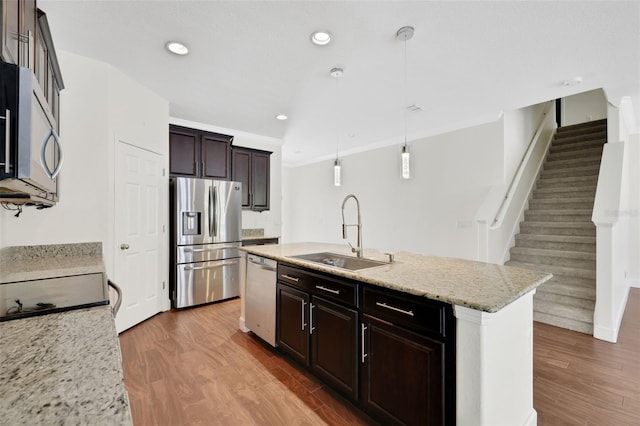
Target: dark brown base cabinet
<point>402,375</point>
<point>391,353</point>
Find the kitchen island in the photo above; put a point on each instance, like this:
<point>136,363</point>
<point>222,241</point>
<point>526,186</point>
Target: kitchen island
<point>493,308</point>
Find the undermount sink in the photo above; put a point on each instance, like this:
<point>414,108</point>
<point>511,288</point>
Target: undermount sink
<point>340,261</point>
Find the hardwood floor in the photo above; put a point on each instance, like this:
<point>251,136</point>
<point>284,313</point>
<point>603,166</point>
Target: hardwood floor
<point>579,380</point>
<point>194,367</point>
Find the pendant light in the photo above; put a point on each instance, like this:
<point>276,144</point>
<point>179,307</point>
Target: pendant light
<point>404,34</point>
<point>336,73</point>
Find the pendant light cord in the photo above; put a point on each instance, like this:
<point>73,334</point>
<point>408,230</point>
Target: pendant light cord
<point>405,93</point>
<point>337,118</point>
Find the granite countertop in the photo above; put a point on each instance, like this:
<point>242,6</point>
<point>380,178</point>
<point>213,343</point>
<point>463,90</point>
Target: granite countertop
<point>62,368</point>
<point>476,285</point>
<point>47,261</point>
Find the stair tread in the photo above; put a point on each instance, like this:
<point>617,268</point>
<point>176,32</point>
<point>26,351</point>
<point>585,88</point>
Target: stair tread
<point>569,254</point>
<point>559,224</point>
<point>558,238</point>
<point>553,269</point>
<point>583,125</point>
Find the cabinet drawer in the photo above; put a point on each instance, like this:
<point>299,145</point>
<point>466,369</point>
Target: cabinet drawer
<point>413,312</point>
<point>315,283</point>
<point>293,276</point>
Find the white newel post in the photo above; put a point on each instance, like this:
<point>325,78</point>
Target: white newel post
<point>494,365</point>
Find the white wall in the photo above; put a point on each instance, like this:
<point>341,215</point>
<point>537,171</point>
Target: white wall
<point>583,107</point>
<point>82,212</point>
<point>270,220</point>
<point>432,213</point>
<point>98,105</point>
<point>519,127</point>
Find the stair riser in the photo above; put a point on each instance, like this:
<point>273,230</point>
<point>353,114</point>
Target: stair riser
<point>541,204</point>
<point>566,139</point>
<point>542,217</point>
<point>565,132</point>
<point>578,326</point>
<point>587,126</point>
<point>554,245</point>
<point>573,172</point>
<point>569,180</point>
<point>576,146</point>
<point>565,186</point>
<point>570,155</point>
<point>572,163</point>
<point>573,280</point>
<point>564,311</point>
<point>573,291</point>
<point>541,230</point>
<point>564,300</point>
<point>556,261</point>
<point>543,193</point>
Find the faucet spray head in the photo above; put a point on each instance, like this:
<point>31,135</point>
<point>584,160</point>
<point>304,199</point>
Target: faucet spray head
<point>344,231</point>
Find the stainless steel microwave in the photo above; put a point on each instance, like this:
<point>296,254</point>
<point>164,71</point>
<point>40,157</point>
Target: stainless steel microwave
<point>30,149</point>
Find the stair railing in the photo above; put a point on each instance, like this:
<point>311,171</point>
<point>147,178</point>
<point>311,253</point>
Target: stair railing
<point>496,231</point>
<point>517,177</point>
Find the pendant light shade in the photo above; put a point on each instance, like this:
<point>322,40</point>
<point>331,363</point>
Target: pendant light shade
<point>337,178</point>
<point>405,162</point>
<point>337,170</point>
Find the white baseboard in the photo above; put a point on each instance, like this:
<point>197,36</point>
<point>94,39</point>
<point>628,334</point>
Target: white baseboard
<point>635,284</point>
<point>610,334</point>
<point>532,420</point>
<point>242,326</point>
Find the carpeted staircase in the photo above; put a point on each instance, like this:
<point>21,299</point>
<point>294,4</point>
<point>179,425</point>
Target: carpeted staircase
<point>557,234</point>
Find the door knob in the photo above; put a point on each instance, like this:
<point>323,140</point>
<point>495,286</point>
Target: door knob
<point>124,246</point>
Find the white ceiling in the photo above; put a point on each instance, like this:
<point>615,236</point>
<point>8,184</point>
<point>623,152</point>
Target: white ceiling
<point>249,61</point>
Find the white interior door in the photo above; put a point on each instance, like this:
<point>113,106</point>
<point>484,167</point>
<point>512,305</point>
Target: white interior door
<point>138,233</point>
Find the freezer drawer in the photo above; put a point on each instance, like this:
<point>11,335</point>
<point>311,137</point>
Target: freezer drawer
<point>207,252</point>
<point>204,282</point>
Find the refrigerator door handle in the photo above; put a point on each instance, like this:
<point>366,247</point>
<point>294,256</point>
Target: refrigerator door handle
<point>211,213</point>
<point>215,211</point>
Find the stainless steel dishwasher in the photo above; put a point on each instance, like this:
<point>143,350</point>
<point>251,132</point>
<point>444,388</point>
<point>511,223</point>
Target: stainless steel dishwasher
<point>260,306</point>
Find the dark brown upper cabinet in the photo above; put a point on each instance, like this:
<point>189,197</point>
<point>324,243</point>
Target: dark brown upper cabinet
<point>196,153</point>
<point>252,168</point>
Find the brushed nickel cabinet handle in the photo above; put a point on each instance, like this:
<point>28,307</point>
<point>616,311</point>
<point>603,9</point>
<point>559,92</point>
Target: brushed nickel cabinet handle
<point>363,355</point>
<point>303,323</point>
<point>294,279</point>
<point>329,290</point>
<point>393,308</point>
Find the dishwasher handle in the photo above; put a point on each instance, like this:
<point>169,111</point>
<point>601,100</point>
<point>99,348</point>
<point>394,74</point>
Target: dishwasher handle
<point>260,265</point>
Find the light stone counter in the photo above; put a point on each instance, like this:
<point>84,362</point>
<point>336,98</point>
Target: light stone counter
<point>476,285</point>
<point>62,368</point>
<point>47,261</point>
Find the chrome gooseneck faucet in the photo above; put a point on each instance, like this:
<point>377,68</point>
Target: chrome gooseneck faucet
<point>357,249</point>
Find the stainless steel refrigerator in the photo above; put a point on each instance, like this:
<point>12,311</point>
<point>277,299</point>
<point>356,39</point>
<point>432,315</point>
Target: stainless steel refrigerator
<point>206,222</point>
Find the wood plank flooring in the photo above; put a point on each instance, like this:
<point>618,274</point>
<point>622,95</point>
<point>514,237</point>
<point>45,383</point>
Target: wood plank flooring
<point>579,380</point>
<point>194,367</point>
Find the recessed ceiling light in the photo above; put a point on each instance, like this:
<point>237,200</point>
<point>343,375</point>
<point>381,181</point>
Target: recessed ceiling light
<point>573,82</point>
<point>321,37</point>
<point>177,48</point>
<point>281,117</point>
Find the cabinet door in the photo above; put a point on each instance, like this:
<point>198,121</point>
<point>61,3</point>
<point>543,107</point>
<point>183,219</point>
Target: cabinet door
<point>183,158</point>
<point>28,22</point>
<point>334,343</point>
<point>215,157</point>
<point>11,31</point>
<point>292,319</point>
<point>402,375</point>
<point>241,172</point>
<point>260,181</point>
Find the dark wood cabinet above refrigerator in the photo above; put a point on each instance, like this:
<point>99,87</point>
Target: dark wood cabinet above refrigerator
<point>197,153</point>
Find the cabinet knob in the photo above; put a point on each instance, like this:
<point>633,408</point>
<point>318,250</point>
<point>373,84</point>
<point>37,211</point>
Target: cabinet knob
<point>124,246</point>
